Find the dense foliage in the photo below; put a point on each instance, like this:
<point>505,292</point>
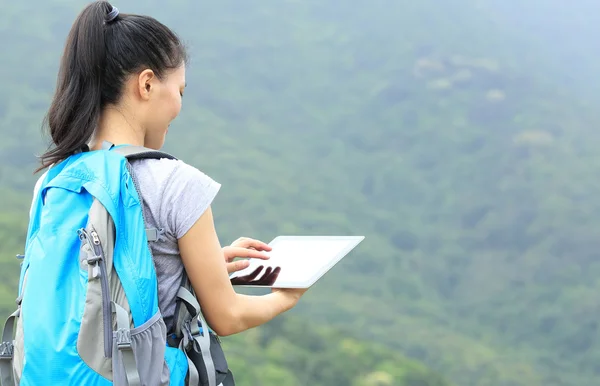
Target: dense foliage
<point>293,352</point>
<point>459,136</point>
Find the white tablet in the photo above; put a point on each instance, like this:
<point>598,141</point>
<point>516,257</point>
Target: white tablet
<point>302,259</point>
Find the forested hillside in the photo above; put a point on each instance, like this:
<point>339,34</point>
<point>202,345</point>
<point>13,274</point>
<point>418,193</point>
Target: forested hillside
<point>459,136</point>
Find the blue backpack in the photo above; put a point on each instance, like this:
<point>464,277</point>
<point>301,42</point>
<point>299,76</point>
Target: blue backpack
<point>87,307</point>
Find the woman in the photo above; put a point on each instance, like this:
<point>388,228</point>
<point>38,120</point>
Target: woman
<point>121,80</point>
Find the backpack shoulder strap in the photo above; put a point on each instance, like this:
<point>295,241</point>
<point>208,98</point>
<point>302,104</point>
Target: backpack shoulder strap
<point>192,334</point>
<point>131,153</point>
<point>7,351</point>
<point>137,152</point>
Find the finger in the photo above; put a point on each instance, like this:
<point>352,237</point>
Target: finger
<point>264,278</point>
<point>253,275</point>
<point>269,277</point>
<point>261,246</point>
<point>267,272</point>
<point>245,242</point>
<point>238,241</point>
<point>237,265</point>
<point>233,252</point>
<point>271,280</point>
<point>229,256</point>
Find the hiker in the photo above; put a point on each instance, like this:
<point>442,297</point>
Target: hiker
<point>120,83</point>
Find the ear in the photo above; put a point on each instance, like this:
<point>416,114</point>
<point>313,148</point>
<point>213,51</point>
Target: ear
<point>146,83</point>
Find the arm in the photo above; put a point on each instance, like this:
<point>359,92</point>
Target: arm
<point>226,311</point>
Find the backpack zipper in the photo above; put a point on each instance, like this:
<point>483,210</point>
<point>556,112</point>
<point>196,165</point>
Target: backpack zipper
<point>99,269</point>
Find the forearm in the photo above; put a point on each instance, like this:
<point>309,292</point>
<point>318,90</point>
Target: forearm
<point>251,311</point>
<point>226,311</point>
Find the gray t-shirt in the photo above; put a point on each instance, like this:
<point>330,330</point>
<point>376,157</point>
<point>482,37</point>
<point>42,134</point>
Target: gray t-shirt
<point>175,195</point>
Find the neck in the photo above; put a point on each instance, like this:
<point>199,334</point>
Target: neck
<point>117,128</point>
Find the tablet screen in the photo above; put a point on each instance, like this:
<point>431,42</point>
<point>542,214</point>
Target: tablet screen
<point>302,259</point>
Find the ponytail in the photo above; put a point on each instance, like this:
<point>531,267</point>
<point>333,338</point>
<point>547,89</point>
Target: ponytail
<point>75,110</point>
<point>102,48</point>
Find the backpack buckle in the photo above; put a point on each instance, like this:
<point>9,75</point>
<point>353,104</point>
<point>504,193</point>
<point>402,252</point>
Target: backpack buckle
<point>7,350</point>
<point>190,332</point>
<point>123,339</point>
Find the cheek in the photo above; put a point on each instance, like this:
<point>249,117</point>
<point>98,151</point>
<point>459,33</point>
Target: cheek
<point>163,111</point>
<point>176,107</point>
<point>173,107</point>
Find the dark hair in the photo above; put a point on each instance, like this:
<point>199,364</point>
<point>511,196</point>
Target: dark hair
<point>101,51</point>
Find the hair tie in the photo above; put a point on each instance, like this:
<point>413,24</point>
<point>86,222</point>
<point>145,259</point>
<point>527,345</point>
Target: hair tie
<point>112,15</point>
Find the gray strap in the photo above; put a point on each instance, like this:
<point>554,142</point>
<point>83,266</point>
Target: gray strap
<point>193,376</point>
<point>204,342</point>
<point>107,145</point>
<point>133,377</point>
<point>137,152</point>
<point>124,345</point>
<point>7,351</point>
<point>190,301</point>
<point>122,318</point>
<point>202,339</point>
<point>199,342</point>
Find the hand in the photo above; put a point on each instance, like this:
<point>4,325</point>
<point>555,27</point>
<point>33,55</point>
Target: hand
<point>267,279</point>
<point>249,248</point>
<point>244,247</point>
<point>293,295</point>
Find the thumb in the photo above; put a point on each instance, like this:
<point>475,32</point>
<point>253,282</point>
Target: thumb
<point>237,265</point>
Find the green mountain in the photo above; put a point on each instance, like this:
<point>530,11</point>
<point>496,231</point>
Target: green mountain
<point>459,137</point>
<point>289,351</point>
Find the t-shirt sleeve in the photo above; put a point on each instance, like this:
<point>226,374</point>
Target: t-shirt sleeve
<point>187,194</point>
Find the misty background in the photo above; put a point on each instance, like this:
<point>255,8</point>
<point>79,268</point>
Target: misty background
<point>459,136</point>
